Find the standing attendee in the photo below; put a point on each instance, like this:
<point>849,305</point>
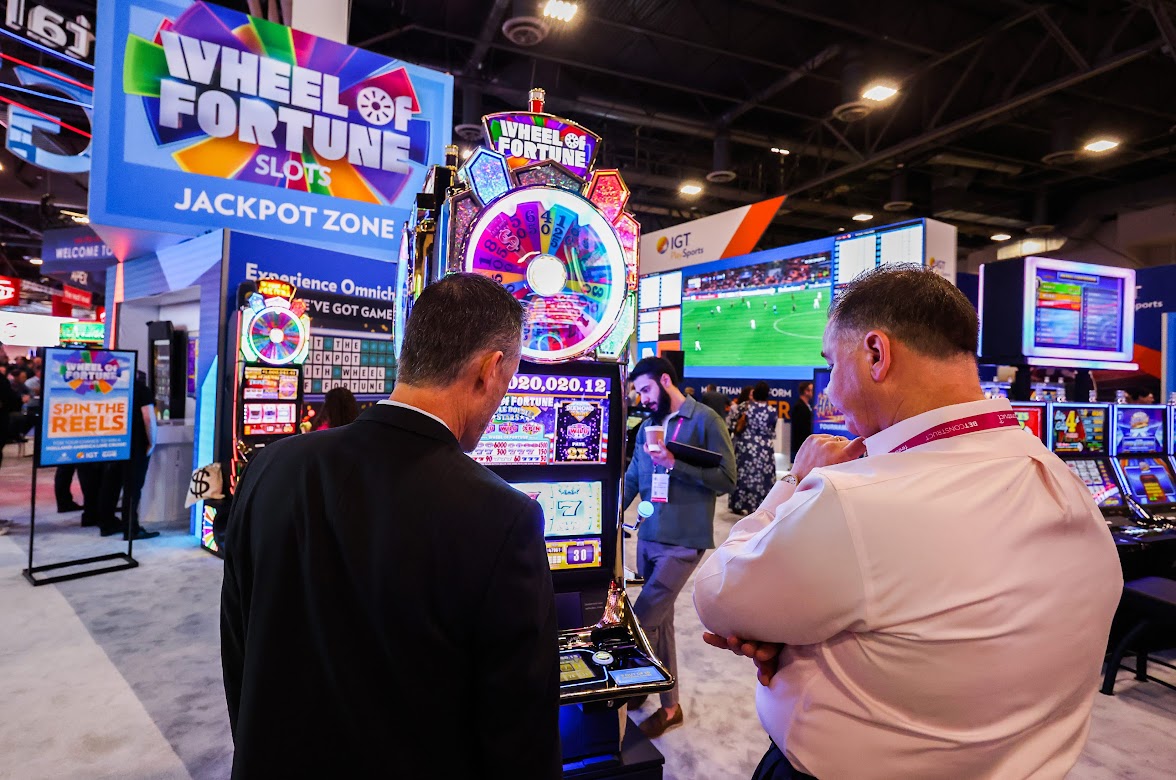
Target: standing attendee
<point>802,417</point>
<point>1141,395</point>
<point>325,627</point>
<point>938,609</point>
<point>716,400</point>
<point>671,542</point>
<point>737,411</point>
<point>339,409</point>
<point>129,476</point>
<point>755,453</point>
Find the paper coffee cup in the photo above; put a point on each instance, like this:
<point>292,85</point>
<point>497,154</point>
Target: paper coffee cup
<point>655,435</point>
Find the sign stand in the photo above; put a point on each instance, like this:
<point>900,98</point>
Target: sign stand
<point>126,559</point>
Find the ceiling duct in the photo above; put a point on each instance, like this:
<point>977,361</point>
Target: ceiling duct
<point>899,199</point>
<point>1040,223</point>
<point>853,77</point>
<point>523,29</point>
<point>722,173</point>
<point>470,128</point>
<point>1063,148</point>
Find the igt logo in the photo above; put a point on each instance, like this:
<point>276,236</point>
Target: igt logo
<point>663,244</point>
<point>680,241</point>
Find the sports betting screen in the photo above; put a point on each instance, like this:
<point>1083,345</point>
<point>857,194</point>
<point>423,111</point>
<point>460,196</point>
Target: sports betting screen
<point>547,419</point>
<point>1031,419</point>
<point>1078,428</point>
<point>1095,473</point>
<point>1148,479</point>
<point>1139,429</point>
<point>1078,312</point>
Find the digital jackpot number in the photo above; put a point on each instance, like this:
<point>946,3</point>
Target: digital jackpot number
<point>558,384</point>
<point>581,554</point>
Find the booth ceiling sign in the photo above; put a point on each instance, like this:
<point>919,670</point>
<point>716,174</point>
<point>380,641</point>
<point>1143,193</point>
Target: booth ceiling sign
<point>235,122</point>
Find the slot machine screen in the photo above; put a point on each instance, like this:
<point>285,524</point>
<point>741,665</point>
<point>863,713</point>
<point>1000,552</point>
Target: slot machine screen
<point>265,383</point>
<point>1031,419</point>
<point>548,419</point>
<point>1148,479</point>
<point>1139,429</point>
<point>1077,428</point>
<point>269,419</point>
<point>573,521</point>
<point>1095,473</point>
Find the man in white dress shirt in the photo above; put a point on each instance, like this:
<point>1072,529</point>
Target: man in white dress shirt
<point>938,608</point>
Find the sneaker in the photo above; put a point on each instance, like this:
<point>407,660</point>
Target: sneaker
<point>659,723</point>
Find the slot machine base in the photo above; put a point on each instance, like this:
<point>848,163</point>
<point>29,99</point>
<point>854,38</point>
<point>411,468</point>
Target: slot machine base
<point>600,741</point>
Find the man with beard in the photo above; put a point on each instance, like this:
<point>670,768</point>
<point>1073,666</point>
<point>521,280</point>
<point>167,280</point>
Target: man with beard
<point>375,576</point>
<point>671,542</point>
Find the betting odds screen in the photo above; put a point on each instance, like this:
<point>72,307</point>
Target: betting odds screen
<point>573,521</point>
<point>1139,429</point>
<point>548,419</point>
<point>1095,473</point>
<point>269,401</point>
<point>1078,429</point>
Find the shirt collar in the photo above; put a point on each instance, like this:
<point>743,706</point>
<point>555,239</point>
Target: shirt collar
<point>390,402</point>
<point>686,409</point>
<point>885,441</point>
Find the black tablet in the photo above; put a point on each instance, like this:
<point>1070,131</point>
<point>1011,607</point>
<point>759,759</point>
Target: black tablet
<point>695,456</point>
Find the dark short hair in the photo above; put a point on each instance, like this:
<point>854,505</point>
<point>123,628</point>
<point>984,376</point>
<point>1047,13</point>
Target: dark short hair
<point>709,388</point>
<point>914,305</point>
<point>760,391</point>
<point>804,385</point>
<point>654,367</point>
<point>745,394</point>
<point>452,321</point>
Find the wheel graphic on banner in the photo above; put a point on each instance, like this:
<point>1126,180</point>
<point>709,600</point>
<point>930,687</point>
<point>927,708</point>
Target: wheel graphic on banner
<point>276,335</point>
<point>375,105</point>
<point>562,259</point>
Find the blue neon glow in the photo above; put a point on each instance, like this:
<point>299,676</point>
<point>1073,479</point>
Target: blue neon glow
<point>637,675</point>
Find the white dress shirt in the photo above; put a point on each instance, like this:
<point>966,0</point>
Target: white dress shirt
<point>946,609</point>
<point>417,409</point>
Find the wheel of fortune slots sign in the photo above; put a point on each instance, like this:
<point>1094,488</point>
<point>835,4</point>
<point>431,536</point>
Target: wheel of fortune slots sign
<point>275,335</point>
<point>561,258</point>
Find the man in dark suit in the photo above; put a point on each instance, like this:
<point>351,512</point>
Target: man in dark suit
<point>716,400</point>
<point>387,608</point>
<point>802,416</point>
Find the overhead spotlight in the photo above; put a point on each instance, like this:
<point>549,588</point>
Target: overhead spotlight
<point>1099,145</point>
<point>690,189</point>
<point>560,10</point>
<point>35,261</point>
<point>1000,236</point>
<point>1,166</point>
<point>879,92</point>
<point>465,153</point>
<point>863,217</point>
<point>840,230</point>
<point>778,150</point>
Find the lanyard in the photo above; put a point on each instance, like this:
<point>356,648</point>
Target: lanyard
<point>677,428</point>
<point>980,422</point>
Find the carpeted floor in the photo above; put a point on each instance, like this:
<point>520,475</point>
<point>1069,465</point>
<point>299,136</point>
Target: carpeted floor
<point>117,676</point>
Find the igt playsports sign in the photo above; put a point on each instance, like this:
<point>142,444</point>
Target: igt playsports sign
<point>232,121</point>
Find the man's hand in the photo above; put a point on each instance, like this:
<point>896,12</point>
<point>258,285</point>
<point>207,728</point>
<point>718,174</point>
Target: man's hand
<point>662,457</point>
<point>821,449</point>
<point>766,655</point>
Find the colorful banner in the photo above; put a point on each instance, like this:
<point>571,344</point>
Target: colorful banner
<point>727,234</point>
<point>230,121</point>
<point>524,138</point>
<point>75,297</point>
<point>9,291</point>
<point>87,406</point>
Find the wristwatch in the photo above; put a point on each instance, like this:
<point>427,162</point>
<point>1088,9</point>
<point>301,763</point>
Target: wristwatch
<point>790,478</point>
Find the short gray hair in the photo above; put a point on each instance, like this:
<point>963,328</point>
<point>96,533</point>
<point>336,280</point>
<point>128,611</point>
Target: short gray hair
<point>453,320</point>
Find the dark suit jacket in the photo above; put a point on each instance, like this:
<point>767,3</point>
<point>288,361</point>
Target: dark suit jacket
<point>716,401</point>
<point>387,611</point>
<point>802,424</point>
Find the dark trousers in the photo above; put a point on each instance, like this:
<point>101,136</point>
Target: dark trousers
<point>132,474</point>
<point>774,766</point>
<point>63,486</point>
<point>90,478</point>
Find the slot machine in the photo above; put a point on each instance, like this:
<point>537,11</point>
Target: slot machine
<point>1031,417</point>
<point>555,233</point>
<point>1140,443</point>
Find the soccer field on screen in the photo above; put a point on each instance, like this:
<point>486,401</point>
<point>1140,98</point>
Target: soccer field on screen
<point>780,336</point>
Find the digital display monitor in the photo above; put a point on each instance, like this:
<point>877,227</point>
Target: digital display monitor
<point>1031,418</point>
<point>1095,473</point>
<point>548,419</point>
<point>564,554</point>
<point>826,418</point>
<point>657,291</point>
<point>1148,479</point>
<point>1076,428</point>
<point>269,419</point>
<point>1139,428</point>
<point>574,669</point>
<point>1078,312</point>
<point>569,508</point>
<point>864,250</point>
<point>267,383</point>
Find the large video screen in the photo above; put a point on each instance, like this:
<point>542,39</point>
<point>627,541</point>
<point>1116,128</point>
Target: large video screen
<point>1095,473</point>
<point>1149,480</point>
<point>1139,429</point>
<point>547,419</point>
<point>569,508</point>
<point>1077,311</point>
<point>769,313</point>
<point>826,418</point>
<point>1079,428</point>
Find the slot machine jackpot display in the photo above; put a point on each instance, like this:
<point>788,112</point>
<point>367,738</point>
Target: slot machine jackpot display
<point>1031,417</point>
<point>1140,440</point>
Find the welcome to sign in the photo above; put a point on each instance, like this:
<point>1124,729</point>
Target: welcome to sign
<point>230,121</point>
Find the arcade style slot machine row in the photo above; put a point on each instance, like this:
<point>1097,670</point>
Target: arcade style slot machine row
<point>1140,437</point>
<point>553,230</point>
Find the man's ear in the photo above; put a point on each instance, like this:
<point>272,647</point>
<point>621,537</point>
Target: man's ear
<point>880,354</point>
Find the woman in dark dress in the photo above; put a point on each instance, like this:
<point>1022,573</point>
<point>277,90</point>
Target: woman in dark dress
<point>754,453</point>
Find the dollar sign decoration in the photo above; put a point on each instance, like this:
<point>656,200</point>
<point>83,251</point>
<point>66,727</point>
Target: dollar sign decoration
<point>200,484</point>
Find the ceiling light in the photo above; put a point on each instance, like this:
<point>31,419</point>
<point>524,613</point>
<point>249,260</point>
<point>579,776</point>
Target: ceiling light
<point>879,92</point>
<point>560,9</point>
<point>1000,236</point>
<point>76,216</point>
<point>35,261</point>
<point>1101,145</point>
<point>690,189</point>
<point>1031,246</point>
<point>465,153</point>
<point>862,217</point>
<point>778,150</point>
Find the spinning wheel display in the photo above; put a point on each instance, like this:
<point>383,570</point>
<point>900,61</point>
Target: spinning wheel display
<point>275,335</point>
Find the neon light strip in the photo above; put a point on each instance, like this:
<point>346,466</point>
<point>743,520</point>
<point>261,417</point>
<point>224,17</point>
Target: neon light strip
<point>46,95</point>
<point>51,74</point>
<point>54,120</point>
<point>47,50</point>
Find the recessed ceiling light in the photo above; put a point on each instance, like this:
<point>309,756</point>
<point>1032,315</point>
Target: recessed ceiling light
<point>560,9</point>
<point>879,92</point>
<point>862,217</point>
<point>690,189</point>
<point>778,150</point>
<point>1101,145</point>
<point>35,261</point>
<point>1000,236</point>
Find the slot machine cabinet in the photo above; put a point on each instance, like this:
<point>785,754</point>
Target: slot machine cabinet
<point>1032,418</point>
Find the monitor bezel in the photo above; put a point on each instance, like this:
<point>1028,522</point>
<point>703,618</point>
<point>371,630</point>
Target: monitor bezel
<point>1074,355</point>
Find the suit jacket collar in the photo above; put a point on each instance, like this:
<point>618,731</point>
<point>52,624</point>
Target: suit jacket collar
<point>409,420</point>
